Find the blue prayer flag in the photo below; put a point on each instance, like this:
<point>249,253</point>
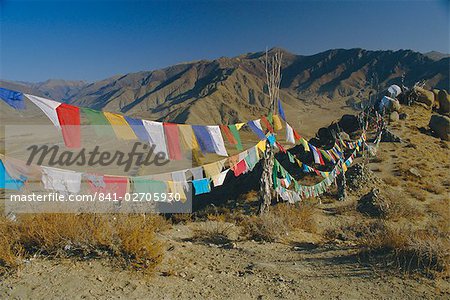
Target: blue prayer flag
<point>138,128</point>
<point>281,111</point>
<point>13,98</point>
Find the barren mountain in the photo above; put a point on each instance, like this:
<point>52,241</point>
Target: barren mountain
<point>232,89</point>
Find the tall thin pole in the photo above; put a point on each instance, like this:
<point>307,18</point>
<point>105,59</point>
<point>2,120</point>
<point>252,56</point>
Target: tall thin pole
<point>273,80</point>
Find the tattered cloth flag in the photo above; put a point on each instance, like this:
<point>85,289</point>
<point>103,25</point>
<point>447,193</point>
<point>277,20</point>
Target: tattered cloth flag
<point>214,168</point>
<point>69,119</point>
<point>305,144</point>
<point>64,181</point>
<point>204,139</point>
<point>155,132</point>
<point>177,188</point>
<point>252,158</point>
<point>255,126</point>
<point>277,123</point>
<point>297,136</point>
<point>220,178</point>
<point>98,121</point>
<point>267,124</point>
<point>47,106</point>
<point>180,176</point>
<point>187,137</point>
<point>228,134</point>
<point>317,156</point>
<point>138,128</point>
<point>216,135</point>
<point>115,186</point>
<point>235,131</point>
<point>120,126</point>
<point>8,182</point>
<point>289,134</point>
<point>240,168</point>
<point>173,141</point>
<point>12,98</point>
<point>144,185</point>
<point>281,110</point>
<point>201,186</point>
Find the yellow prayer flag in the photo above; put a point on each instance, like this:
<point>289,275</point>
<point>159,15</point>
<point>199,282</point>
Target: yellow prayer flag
<point>120,126</point>
<point>261,145</point>
<point>305,144</point>
<point>277,125</point>
<point>188,139</point>
<point>177,188</point>
<point>239,125</point>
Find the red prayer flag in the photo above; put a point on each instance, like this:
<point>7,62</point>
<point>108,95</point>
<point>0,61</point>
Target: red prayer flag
<point>240,168</point>
<point>297,136</point>
<point>173,140</point>
<point>267,124</point>
<point>114,186</point>
<point>228,134</point>
<point>69,119</point>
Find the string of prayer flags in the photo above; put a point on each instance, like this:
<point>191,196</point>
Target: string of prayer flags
<point>155,132</point>
<point>204,139</point>
<point>47,106</point>
<point>12,98</point>
<point>281,110</point>
<point>69,119</point>
<point>235,132</point>
<point>120,126</point>
<point>101,124</point>
<point>201,186</point>
<point>255,126</point>
<point>138,128</point>
<point>289,134</point>
<point>173,141</point>
<point>217,139</point>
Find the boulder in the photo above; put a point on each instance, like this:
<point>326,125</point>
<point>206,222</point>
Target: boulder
<point>394,117</point>
<point>444,101</point>
<point>424,96</point>
<point>349,123</point>
<point>441,126</point>
<point>436,93</point>
<point>389,104</point>
<point>403,116</point>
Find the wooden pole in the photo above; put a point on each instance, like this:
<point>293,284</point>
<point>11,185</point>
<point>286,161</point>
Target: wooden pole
<point>273,79</point>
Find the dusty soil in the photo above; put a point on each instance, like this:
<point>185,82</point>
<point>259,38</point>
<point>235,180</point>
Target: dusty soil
<point>251,270</point>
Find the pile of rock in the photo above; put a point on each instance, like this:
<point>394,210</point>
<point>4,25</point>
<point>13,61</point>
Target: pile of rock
<point>357,176</point>
<point>372,204</point>
<point>440,100</point>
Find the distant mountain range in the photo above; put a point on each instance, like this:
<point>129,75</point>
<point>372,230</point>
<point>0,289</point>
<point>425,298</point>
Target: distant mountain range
<point>233,89</point>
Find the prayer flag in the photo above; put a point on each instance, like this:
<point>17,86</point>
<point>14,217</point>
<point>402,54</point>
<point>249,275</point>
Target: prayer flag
<point>69,119</point>
<point>235,132</point>
<point>138,128</point>
<point>173,141</point>
<point>155,132</point>
<point>120,126</point>
<point>47,106</point>
<point>12,98</point>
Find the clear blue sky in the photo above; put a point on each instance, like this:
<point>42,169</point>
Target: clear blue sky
<point>90,40</point>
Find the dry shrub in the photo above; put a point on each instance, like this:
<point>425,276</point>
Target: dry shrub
<point>392,181</point>
<point>439,211</point>
<point>131,238</point>
<point>409,250</point>
<point>433,187</point>
<point>417,194</point>
<point>278,222</point>
<point>215,232</point>
<point>181,218</point>
<point>399,207</point>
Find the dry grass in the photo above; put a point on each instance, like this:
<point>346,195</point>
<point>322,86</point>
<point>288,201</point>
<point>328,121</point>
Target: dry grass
<point>131,238</point>
<point>215,232</point>
<point>278,222</point>
<point>409,250</point>
<point>392,181</point>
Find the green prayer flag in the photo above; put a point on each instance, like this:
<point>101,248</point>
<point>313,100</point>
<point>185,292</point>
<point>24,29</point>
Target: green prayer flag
<point>142,185</point>
<point>236,136</point>
<point>96,118</point>
<point>270,118</point>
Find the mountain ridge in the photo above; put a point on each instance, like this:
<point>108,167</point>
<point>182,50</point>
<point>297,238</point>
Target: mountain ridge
<point>232,89</point>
